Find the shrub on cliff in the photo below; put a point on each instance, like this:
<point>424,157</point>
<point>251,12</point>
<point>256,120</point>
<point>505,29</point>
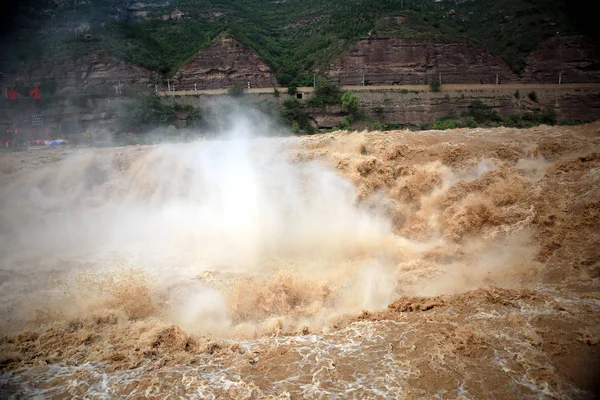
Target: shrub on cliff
<point>143,113</point>
<point>325,93</point>
<point>194,115</point>
<point>482,113</point>
<point>346,122</point>
<point>389,126</point>
<point>548,117</point>
<point>294,112</point>
<point>443,124</point>
<point>292,90</point>
<point>350,103</point>
<point>470,123</point>
<point>172,130</point>
<point>435,85</point>
<point>529,119</point>
<point>533,96</point>
<point>236,90</point>
<point>513,121</point>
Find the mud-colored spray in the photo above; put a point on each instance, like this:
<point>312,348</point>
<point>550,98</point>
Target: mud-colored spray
<point>233,237</point>
<point>268,262</point>
<point>234,208</point>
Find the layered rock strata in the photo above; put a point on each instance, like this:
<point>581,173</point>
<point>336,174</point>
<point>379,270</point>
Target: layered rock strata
<point>224,64</point>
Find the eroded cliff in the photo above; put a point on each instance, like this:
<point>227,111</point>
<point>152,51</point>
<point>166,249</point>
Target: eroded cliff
<point>572,59</point>
<point>83,74</point>
<point>225,63</point>
<point>383,60</point>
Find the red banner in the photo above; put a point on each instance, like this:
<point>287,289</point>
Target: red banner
<point>15,93</point>
<point>35,93</point>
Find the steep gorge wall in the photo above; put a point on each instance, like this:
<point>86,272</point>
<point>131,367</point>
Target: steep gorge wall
<point>391,61</point>
<point>83,74</point>
<point>225,63</point>
<point>424,106</point>
<point>383,60</point>
<point>62,119</point>
<point>386,60</point>
<point>576,57</point>
<point>380,60</point>
<point>385,106</point>
<point>85,95</point>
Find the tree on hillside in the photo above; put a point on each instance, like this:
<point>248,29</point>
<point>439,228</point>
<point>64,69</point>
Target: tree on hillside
<point>350,103</point>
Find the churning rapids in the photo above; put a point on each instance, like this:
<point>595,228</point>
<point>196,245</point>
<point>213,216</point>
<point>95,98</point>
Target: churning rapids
<point>455,264</point>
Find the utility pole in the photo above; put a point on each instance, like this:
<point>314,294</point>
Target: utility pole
<point>560,77</point>
<point>169,85</point>
<point>195,88</point>
<point>440,79</point>
<point>363,79</point>
<point>497,79</point>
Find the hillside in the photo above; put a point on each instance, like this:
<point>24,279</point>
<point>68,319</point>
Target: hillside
<point>295,38</point>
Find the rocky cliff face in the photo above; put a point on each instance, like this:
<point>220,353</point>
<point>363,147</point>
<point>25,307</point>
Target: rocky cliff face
<point>426,106</point>
<point>82,74</point>
<point>577,57</point>
<point>413,108</point>
<point>70,113</point>
<point>225,63</point>
<point>392,61</point>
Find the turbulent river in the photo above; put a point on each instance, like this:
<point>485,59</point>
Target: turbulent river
<point>455,264</point>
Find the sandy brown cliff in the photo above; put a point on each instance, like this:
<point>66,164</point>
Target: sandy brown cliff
<point>225,63</point>
<point>389,61</point>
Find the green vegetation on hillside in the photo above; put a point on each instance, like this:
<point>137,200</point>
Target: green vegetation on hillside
<point>480,114</point>
<point>298,113</point>
<point>297,38</point>
<point>511,29</point>
<point>146,112</point>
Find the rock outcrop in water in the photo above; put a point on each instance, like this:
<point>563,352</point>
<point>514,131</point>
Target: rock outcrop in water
<point>225,63</point>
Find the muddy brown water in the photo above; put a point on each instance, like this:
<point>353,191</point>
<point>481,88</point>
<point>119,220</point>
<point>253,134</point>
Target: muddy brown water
<point>455,264</point>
